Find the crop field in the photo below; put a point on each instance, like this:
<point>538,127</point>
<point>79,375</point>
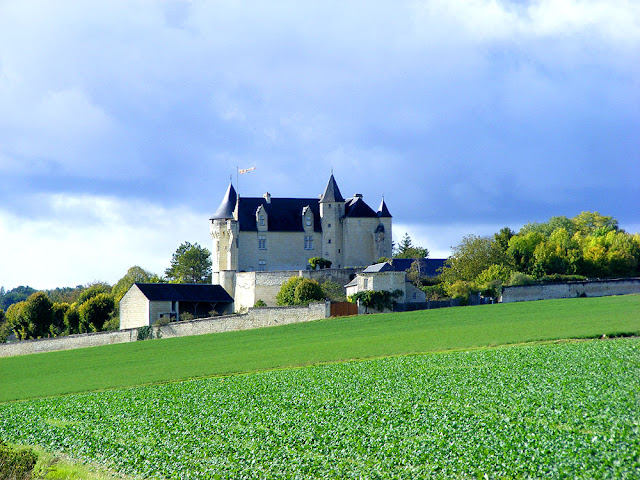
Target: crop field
<point>566,410</point>
<point>330,340</point>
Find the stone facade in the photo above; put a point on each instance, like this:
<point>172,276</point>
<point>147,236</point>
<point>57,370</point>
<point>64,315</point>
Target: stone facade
<point>381,277</point>
<point>273,234</point>
<point>590,288</point>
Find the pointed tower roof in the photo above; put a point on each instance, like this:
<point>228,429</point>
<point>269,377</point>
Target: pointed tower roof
<point>332,192</point>
<point>228,205</point>
<point>383,211</point>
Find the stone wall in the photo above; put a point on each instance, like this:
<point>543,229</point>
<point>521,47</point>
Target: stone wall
<point>27,347</point>
<point>588,288</point>
<point>255,318</point>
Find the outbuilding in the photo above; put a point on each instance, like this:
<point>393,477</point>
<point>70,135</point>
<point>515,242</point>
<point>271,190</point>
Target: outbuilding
<point>145,303</point>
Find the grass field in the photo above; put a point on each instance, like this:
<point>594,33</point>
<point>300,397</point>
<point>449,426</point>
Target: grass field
<point>330,340</point>
<point>567,410</point>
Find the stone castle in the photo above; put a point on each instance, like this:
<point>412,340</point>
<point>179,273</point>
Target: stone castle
<point>268,234</point>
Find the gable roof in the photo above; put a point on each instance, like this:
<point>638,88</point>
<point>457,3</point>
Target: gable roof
<point>228,205</point>
<point>184,292</point>
<point>332,192</point>
<point>379,267</point>
<point>283,214</point>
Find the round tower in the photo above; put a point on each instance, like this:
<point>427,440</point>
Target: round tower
<point>224,231</point>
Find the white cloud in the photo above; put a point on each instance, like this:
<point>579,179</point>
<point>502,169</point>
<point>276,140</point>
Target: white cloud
<point>85,238</point>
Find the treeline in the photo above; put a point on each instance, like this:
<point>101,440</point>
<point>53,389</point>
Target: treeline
<point>588,245</point>
<point>27,313</point>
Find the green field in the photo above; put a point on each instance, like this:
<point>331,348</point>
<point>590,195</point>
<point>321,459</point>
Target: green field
<point>330,340</point>
<point>568,410</point>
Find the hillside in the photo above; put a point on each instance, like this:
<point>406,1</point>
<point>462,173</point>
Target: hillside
<point>330,340</point>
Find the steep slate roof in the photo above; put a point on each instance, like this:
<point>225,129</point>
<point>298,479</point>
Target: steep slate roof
<point>428,266</point>
<point>184,292</point>
<point>332,192</point>
<point>283,214</point>
<point>358,208</point>
<point>228,205</point>
<point>379,267</point>
<point>383,211</point>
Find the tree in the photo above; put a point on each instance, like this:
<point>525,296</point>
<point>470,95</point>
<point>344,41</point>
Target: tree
<point>16,321</point>
<point>190,264</point>
<point>5,329</point>
<point>522,248</point>
<point>72,319</point>
<point>58,311</point>
<point>135,274</point>
<point>38,315</point>
<point>95,312</point>
<point>406,249</point>
<point>471,257</point>
<point>92,291</point>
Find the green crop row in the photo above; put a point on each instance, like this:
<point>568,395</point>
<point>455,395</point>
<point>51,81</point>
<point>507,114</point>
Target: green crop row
<point>549,411</point>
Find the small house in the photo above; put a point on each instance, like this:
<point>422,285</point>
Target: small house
<point>145,303</point>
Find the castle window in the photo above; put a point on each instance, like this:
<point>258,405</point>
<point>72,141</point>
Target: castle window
<point>308,242</point>
<point>329,241</point>
<point>308,221</point>
<point>262,242</point>
<point>262,220</point>
<point>329,226</point>
<point>262,265</point>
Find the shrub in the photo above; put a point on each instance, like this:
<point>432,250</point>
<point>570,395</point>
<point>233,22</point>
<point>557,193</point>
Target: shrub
<point>16,464</point>
<point>307,291</point>
<point>186,316</point>
<point>435,292</point>
<point>378,300</point>
<point>461,290</point>
<point>333,291</point>
<point>319,262</point>
<point>519,278</point>
<point>145,333</point>
<point>259,303</point>
<point>299,291</point>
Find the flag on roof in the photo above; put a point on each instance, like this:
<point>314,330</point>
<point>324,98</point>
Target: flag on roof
<point>246,170</point>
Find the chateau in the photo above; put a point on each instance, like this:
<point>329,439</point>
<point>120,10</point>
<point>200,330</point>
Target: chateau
<point>253,234</point>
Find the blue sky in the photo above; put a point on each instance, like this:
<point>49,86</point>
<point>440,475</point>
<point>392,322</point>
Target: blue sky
<point>121,122</point>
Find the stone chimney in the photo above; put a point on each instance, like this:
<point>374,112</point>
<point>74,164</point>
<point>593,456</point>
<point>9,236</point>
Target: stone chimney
<point>267,197</point>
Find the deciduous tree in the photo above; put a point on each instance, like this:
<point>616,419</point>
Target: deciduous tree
<point>190,264</point>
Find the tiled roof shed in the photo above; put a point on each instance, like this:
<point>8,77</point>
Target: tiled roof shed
<point>184,292</point>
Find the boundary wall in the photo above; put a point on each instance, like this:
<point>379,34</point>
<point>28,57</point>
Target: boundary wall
<point>253,286</point>
<point>255,318</point>
<point>587,288</point>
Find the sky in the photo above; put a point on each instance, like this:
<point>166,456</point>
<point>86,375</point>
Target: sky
<point>122,122</point>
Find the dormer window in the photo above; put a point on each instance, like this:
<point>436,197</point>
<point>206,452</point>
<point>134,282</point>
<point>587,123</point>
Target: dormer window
<point>262,220</point>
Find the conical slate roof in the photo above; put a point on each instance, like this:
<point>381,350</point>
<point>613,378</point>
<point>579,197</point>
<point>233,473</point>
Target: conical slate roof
<point>383,211</point>
<point>332,192</point>
<point>228,205</point>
